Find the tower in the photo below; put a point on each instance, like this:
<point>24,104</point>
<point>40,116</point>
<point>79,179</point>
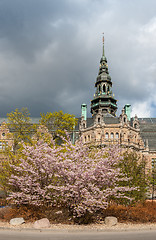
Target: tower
<point>103,97</point>
<point>84,111</point>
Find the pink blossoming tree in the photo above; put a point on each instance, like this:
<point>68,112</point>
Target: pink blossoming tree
<point>81,179</point>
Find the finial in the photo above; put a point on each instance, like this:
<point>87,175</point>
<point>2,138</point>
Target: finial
<point>103,44</point>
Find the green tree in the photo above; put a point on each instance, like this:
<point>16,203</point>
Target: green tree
<point>20,123</point>
<point>58,123</point>
<point>134,167</point>
<point>153,178</point>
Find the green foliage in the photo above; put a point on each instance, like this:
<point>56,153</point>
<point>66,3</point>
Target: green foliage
<point>42,134</point>
<point>4,174</point>
<point>58,123</point>
<point>20,123</point>
<point>134,167</point>
<point>6,167</point>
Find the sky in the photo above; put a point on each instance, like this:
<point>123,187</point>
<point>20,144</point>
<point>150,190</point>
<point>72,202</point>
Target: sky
<point>50,52</point>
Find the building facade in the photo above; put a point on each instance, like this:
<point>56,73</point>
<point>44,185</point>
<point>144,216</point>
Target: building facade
<point>105,128</point>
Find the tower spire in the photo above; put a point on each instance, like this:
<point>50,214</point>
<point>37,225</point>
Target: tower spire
<point>103,99</point>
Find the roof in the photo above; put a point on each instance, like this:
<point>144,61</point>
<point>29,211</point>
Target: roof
<point>148,131</point>
<point>147,127</point>
<point>32,120</point>
<point>111,120</point>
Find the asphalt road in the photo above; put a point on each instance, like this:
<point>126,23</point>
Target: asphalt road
<point>86,235</point>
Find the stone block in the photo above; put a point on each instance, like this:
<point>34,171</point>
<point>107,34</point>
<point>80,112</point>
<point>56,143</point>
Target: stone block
<point>17,221</point>
<point>42,223</point>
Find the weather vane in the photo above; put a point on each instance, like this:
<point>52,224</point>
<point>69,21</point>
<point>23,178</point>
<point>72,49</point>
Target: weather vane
<point>103,37</point>
<point>103,43</point>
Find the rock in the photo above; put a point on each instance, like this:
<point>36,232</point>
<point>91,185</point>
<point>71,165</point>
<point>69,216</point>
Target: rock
<point>17,221</point>
<point>111,221</point>
<point>42,223</point>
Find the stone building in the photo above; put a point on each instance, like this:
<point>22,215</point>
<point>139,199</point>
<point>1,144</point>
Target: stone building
<point>104,127</point>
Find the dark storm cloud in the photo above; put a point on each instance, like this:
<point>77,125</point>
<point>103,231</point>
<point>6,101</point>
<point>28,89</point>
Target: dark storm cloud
<point>26,25</point>
<point>50,52</point>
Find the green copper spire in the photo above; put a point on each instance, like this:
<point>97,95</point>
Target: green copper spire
<point>103,98</point>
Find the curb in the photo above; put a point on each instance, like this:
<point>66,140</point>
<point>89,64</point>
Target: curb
<point>65,230</point>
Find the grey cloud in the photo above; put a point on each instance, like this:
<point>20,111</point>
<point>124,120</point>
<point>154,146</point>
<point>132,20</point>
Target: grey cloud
<point>50,52</point>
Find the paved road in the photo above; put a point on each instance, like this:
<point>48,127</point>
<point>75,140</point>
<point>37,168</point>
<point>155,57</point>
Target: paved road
<point>87,235</point>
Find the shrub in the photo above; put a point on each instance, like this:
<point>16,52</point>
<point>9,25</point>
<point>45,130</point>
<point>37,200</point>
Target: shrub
<point>138,213</point>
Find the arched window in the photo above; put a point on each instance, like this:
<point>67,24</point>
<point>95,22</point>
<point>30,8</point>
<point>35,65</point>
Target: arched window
<point>124,119</point>
<point>153,164</point>
<point>117,135</point>
<point>88,137</point>
<point>104,88</point>
<point>106,135</point>
<point>135,126</point>
<point>99,88</point>
<point>112,135</point>
<point>98,120</point>
<point>85,138</point>
<point>108,89</point>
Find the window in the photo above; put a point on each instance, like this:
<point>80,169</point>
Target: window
<point>98,120</point>
<point>104,88</point>
<point>112,135</point>
<point>117,135</point>
<point>88,137</point>
<point>135,126</point>
<point>3,134</point>
<point>124,119</point>
<point>99,88</point>
<point>153,163</point>
<point>85,139</point>
<point>108,89</point>
<point>3,145</point>
<point>106,135</point>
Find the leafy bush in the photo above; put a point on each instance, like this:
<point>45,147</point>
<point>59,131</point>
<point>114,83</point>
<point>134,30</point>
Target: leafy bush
<point>138,213</point>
